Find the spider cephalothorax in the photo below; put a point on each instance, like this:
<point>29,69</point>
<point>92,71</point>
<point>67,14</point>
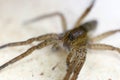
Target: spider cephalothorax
<point>78,35</point>
<point>75,37</point>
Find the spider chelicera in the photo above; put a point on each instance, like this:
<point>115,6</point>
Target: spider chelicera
<point>75,41</point>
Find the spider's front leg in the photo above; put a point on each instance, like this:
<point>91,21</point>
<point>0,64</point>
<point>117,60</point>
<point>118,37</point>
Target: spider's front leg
<point>71,67</point>
<point>48,40</point>
<point>29,41</point>
<point>78,69</point>
<point>76,60</point>
<point>81,54</point>
<point>69,58</point>
<point>28,52</point>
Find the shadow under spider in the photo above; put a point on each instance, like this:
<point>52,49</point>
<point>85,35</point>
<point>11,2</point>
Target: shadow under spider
<point>75,41</point>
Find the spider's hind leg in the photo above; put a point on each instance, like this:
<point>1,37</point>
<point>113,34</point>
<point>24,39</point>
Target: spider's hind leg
<point>103,47</point>
<point>63,20</point>
<point>104,35</point>
<point>85,13</point>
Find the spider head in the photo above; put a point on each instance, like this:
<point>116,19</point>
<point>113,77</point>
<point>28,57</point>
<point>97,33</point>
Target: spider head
<point>78,36</point>
<point>75,37</point>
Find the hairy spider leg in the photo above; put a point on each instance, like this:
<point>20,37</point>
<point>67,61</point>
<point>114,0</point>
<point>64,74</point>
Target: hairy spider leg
<point>69,57</point>
<point>63,20</point>
<point>71,67</point>
<point>85,13</point>
<point>29,41</point>
<point>78,69</point>
<point>104,35</point>
<point>76,63</point>
<point>28,52</point>
<point>81,54</point>
<point>103,47</point>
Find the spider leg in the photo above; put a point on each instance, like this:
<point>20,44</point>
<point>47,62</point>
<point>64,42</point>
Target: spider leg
<point>76,63</point>
<point>81,54</point>
<point>69,57</point>
<point>39,38</point>
<point>85,13</point>
<point>71,68</point>
<point>63,20</point>
<point>103,47</point>
<point>77,69</point>
<point>28,52</point>
<point>104,35</point>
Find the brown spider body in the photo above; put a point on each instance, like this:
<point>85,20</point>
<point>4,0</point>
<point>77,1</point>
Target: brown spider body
<point>75,37</point>
<point>75,41</point>
<point>78,35</point>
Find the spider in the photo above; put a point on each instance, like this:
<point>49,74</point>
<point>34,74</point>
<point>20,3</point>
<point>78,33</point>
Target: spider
<point>75,41</point>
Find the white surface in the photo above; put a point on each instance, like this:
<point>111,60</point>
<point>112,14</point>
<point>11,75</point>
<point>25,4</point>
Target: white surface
<point>100,65</point>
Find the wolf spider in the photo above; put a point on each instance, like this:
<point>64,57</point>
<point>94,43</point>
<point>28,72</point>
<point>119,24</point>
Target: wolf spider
<point>75,41</point>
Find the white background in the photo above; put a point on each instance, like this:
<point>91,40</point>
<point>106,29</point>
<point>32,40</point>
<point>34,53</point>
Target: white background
<point>100,65</point>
